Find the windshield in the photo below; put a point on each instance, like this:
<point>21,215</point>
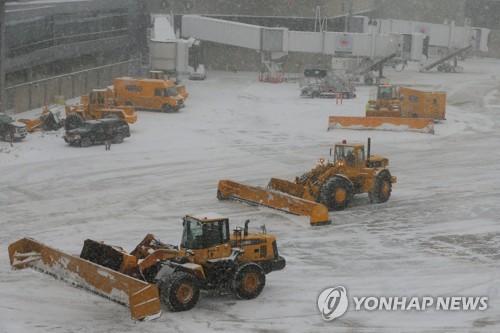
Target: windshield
<point>344,153</point>
<point>384,92</point>
<point>5,118</point>
<point>86,126</point>
<point>200,235</point>
<point>192,237</point>
<point>171,92</point>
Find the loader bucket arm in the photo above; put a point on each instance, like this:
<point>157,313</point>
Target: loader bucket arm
<point>228,189</point>
<point>141,297</point>
<point>286,187</point>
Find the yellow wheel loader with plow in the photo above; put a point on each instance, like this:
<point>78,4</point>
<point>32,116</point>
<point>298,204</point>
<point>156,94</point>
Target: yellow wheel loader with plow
<point>209,257</point>
<point>98,104</point>
<point>395,108</point>
<point>329,186</point>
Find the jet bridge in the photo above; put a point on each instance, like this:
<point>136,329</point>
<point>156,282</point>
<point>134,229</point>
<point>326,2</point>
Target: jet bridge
<point>280,41</point>
<point>440,35</point>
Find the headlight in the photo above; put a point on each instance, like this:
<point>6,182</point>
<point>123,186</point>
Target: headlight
<point>77,137</point>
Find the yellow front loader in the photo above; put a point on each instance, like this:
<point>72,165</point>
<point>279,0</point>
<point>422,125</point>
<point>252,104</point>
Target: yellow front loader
<point>329,186</point>
<point>210,257</point>
<point>98,104</point>
<point>395,108</point>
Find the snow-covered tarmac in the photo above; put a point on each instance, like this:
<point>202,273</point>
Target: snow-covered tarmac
<point>438,235</point>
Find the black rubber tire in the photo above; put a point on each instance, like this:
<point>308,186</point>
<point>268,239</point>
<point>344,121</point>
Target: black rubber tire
<point>86,142</point>
<point>8,137</point>
<point>49,124</point>
<point>179,291</point>
<point>118,138</point>
<point>248,281</point>
<point>383,188</point>
<point>73,120</point>
<point>166,108</point>
<point>336,193</point>
<point>315,94</point>
<point>440,68</point>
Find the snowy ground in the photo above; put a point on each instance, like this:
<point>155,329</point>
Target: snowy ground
<point>438,235</point>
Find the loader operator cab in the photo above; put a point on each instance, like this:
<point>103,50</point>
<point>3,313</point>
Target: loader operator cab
<point>97,96</point>
<point>203,231</point>
<point>352,155</point>
<point>386,92</point>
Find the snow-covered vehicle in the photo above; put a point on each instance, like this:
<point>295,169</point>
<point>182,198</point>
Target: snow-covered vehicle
<point>319,83</point>
<point>198,74</point>
<point>97,132</point>
<point>10,129</point>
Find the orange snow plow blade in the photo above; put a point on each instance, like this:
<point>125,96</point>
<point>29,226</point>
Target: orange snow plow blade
<point>31,124</point>
<point>423,125</point>
<point>142,297</point>
<point>229,189</point>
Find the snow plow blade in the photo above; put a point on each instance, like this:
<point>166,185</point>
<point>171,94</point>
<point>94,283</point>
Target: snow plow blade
<point>142,297</point>
<point>229,189</point>
<point>423,125</point>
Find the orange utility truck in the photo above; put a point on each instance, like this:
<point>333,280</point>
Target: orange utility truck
<point>149,94</point>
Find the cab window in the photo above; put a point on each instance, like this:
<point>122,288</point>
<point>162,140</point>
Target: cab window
<point>361,157</point>
<point>344,153</point>
<point>200,235</point>
<point>192,236</point>
<point>384,93</point>
<point>212,234</point>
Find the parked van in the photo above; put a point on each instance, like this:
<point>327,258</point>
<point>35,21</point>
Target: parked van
<point>149,94</point>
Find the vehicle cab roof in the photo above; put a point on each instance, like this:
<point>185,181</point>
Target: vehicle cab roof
<point>207,217</point>
<point>349,144</point>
